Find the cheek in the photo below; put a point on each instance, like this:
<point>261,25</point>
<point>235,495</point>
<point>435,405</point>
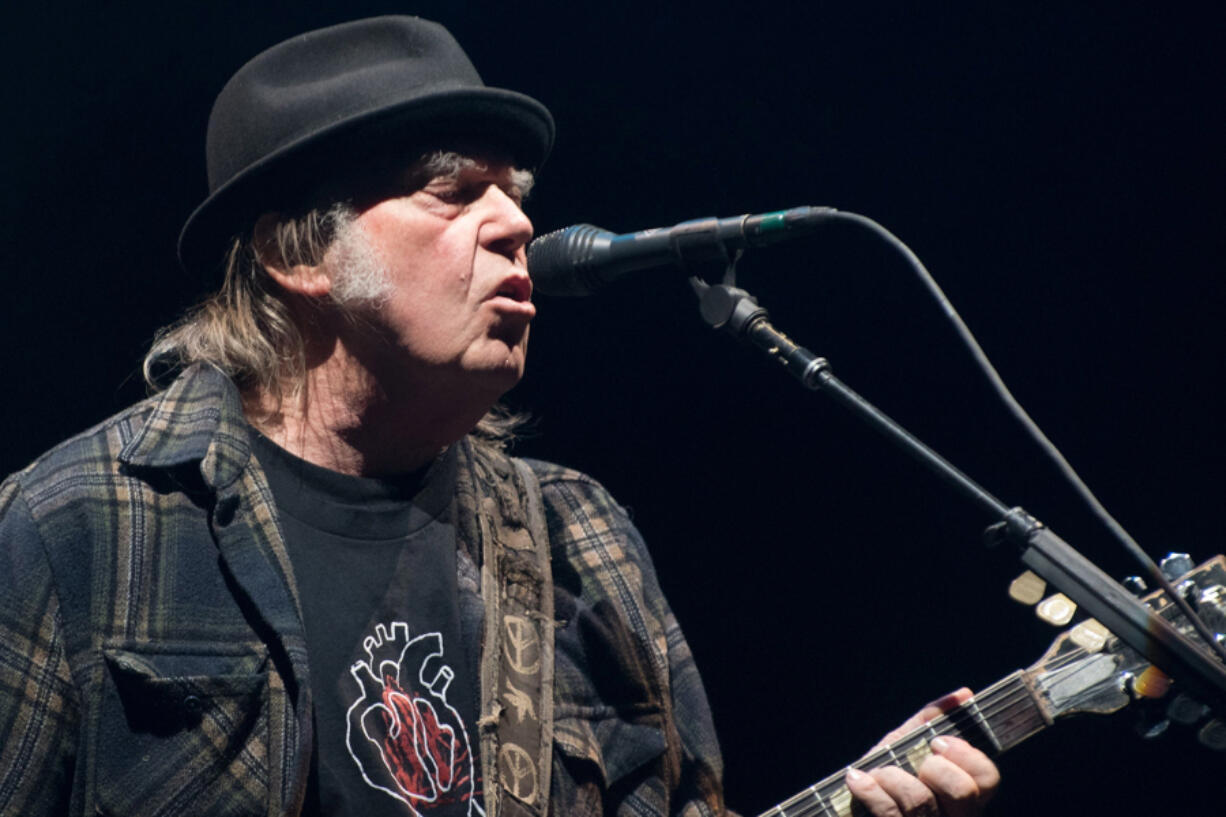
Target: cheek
<point>426,261</point>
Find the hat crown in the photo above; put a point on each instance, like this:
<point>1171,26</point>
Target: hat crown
<point>307,109</point>
<point>327,76</point>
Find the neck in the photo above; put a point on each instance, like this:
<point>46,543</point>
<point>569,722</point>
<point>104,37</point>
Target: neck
<point>346,419</point>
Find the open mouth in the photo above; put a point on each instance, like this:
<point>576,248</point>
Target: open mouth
<point>517,288</point>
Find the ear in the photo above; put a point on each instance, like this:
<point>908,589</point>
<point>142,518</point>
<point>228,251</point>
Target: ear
<point>309,280</point>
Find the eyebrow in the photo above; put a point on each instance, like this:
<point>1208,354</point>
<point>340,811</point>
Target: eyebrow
<point>522,180</point>
<point>519,185</point>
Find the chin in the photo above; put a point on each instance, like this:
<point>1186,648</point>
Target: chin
<point>496,362</point>
<point>502,373</point>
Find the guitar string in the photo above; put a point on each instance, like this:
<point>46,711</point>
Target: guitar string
<point>991,703</point>
<point>1009,693</point>
<point>810,801</point>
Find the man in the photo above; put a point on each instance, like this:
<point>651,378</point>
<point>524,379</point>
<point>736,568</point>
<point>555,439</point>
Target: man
<point>304,577</point>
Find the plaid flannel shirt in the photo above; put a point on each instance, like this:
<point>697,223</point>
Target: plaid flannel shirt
<point>152,655</point>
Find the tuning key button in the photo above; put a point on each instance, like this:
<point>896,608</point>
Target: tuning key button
<point>1027,588</point>
<point>1056,610</point>
<point>1135,585</point>
<point>1185,710</point>
<point>1151,683</point>
<point>1176,565</point>
<point>1213,735</point>
<point>1090,635</point>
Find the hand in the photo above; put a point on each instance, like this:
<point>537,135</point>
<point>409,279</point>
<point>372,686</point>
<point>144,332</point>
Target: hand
<point>957,780</point>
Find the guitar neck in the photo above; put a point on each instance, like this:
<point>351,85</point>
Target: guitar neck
<point>995,720</point>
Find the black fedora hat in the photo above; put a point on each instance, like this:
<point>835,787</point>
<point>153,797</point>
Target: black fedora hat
<point>302,109</point>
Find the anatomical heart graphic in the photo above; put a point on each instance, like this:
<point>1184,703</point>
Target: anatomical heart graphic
<point>407,740</point>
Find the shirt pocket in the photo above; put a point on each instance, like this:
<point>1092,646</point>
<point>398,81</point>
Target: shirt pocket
<point>183,732</point>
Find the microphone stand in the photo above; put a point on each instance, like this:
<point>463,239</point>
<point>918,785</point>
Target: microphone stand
<point>724,306</point>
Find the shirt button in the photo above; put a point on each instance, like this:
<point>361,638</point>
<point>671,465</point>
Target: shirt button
<point>192,704</point>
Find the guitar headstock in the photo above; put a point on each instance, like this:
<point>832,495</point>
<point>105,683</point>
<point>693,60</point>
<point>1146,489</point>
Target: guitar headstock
<point>1087,669</point>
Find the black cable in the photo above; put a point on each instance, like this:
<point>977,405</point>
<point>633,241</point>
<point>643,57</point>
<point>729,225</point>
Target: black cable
<point>1015,408</point>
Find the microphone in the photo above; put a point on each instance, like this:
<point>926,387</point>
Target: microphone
<point>580,259</point>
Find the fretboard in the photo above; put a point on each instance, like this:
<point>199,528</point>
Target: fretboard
<point>995,720</point>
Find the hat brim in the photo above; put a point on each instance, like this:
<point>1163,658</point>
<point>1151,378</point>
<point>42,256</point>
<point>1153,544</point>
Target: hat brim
<point>502,119</point>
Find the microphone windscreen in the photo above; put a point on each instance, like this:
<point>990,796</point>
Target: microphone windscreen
<point>556,260</point>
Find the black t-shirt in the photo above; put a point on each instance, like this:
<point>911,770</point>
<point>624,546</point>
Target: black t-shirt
<point>391,641</point>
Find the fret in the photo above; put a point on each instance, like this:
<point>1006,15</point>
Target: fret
<point>983,722</point>
<point>829,794</point>
<point>824,802</point>
<point>836,799</point>
<point>841,801</point>
<point>1019,723</point>
<point>996,719</point>
<point>917,754</point>
<point>1015,714</point>
<point>827,808</point>
<point>802,803</point>
<point>1007,712</point>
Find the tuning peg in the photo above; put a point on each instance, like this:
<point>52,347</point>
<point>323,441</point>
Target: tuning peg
<point>1176,565</point>
<point>1190,593</point>
<point>1056,609</point>
<point>1213,735</point>
<point>1212,608</point>
<point>1027,588</point>
<point>1185,710</point>
<point>1135,585</point>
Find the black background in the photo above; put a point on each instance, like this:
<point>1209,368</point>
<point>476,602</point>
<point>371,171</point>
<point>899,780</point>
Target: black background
<point>1059,169</point>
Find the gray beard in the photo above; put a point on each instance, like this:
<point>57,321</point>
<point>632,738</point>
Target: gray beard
<point>360,278</point>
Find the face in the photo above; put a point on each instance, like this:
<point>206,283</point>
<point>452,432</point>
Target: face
<point>448,253</point>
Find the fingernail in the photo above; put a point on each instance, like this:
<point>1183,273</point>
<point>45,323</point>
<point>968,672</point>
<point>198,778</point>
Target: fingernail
<point>855,774</point>
<point>939,745</point>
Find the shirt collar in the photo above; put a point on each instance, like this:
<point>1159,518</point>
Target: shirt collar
<point>198,419</point>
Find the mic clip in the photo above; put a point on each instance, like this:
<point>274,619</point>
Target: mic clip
<point>727,307</point>
<point>724,305</point>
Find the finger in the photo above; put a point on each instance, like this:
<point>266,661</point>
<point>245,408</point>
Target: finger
<point>953,788</point>
<point>968,760</point>
<point>931,710</point>
<point>891,792</point>
<point>869,792</point>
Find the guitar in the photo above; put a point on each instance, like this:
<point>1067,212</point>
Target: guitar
<point>1086,670</point>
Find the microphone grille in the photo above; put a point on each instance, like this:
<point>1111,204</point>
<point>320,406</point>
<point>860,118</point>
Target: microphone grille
<point>556,260</point>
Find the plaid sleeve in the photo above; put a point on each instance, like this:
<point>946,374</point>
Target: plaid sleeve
<point>38,704</point>
<point>609,557</point>
<point>700,787</point>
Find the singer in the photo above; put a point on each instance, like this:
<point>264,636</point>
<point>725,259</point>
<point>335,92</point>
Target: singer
<point>305,577</point>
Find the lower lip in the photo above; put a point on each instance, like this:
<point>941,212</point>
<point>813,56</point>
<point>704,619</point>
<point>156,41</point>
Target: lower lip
<point>511,306</point>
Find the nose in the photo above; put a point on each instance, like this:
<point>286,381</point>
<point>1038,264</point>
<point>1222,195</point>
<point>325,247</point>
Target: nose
<point>507,230</point>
